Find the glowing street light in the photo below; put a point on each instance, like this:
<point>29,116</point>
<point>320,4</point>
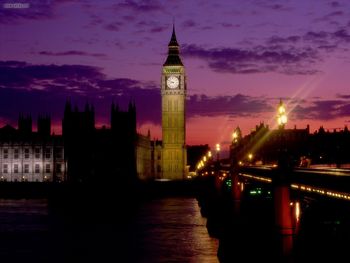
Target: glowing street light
<point>217,147</point>
<point>250,156</point>
<point>234,136</point>
<point>281,121</point>
<point>281,115</point>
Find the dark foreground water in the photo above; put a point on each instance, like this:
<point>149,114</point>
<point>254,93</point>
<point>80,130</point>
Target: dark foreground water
<point>156,230</point>
<point>94,228</point>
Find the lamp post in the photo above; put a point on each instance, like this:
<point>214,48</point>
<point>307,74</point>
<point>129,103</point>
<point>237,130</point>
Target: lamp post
<point>217,151</point>
<point>250,158</point>
<point>282,121</point>
<point>234,136</point>
<point>281,115</point>
<point>283,217</point>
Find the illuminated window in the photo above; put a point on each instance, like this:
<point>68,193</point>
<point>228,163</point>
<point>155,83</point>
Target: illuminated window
<point>6,153</point>
<point>37,153</point>
<point>16,154</point>
<point>26,153</point>
<point>37,168</point>
<point>15,168</point>
<point>47,168</point>
<point>5,168</point>
<point>47,153</point>
<point>26,168</point>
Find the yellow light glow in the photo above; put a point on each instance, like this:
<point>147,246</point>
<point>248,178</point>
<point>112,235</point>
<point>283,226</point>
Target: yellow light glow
<point>281,109</point>
<point>209,154</point>
<point>330,193</point>
<point>250,156</point>
<point>234,135</point>
<point>297,211</point>
<point>217,147</point>
<point>259,178</point>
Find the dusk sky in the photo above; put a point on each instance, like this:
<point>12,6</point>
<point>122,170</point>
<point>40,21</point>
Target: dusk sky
<point>241,58</point>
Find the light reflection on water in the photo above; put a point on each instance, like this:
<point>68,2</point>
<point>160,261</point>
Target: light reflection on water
<point>173,230</point>
<point>158,230</point>
<point>22,215</point>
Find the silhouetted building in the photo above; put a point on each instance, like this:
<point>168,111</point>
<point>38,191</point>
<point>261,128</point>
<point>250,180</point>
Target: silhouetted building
<point>265,145</point>
<point>100,154</point>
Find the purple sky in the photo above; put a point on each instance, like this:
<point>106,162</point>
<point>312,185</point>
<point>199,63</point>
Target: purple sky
<point>241,57</point>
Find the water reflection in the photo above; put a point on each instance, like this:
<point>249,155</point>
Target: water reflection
<point>173,230</point>
<point>157,230</point>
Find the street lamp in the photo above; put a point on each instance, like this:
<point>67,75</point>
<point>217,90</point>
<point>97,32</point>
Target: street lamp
<point>234,136</point>
<point>281,115</point>
<point>217,151</point>
<point>282,121</point>
<point>250,156</point>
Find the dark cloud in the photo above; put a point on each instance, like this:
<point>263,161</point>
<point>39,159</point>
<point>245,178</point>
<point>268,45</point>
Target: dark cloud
<point>237,105</point>
<point>313,37</point>
<point>274,40</point>
<point>45,88</point>
<point>343,96</point>
<point>323,110</point>
<point>337,13</point>
<point>334,4</point>
<point>229,25</point>
<point>342,35</point>
<point>115,26</point>
<point>71,53</point>
<point>95,20</point>
<point>272,5</point>
<point>188,23</point>
<point>316,36</point>
<point>322,41</point>
<point>22,75</point>
<point>258,59</point>
<point>143,6</point>
<point>158,29</point>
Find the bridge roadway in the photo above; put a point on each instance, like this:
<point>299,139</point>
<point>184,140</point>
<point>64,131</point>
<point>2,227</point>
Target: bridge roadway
<point>331,182</point>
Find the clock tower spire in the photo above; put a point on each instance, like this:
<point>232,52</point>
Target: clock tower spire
<point>173,51</point>
<point>173,91</point>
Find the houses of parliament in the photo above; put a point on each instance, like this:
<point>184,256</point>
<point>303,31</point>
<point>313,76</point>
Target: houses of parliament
<point>85,153</point>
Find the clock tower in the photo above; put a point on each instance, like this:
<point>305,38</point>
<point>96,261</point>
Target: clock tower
<point>173,91</point>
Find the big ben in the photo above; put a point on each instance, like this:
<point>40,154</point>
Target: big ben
<point>173,91</point>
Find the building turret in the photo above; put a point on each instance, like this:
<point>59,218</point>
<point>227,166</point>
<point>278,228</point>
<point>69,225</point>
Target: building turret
<point>44,126</point>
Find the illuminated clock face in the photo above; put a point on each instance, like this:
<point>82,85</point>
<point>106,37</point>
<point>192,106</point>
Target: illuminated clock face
<point>172,82</point>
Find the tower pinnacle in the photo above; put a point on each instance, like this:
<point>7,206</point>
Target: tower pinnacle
<point>173,58</point>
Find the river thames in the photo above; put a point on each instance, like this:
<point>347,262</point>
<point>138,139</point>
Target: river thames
<point>157,230</point>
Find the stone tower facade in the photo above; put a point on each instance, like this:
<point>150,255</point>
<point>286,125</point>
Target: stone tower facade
<point>173,92</point>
